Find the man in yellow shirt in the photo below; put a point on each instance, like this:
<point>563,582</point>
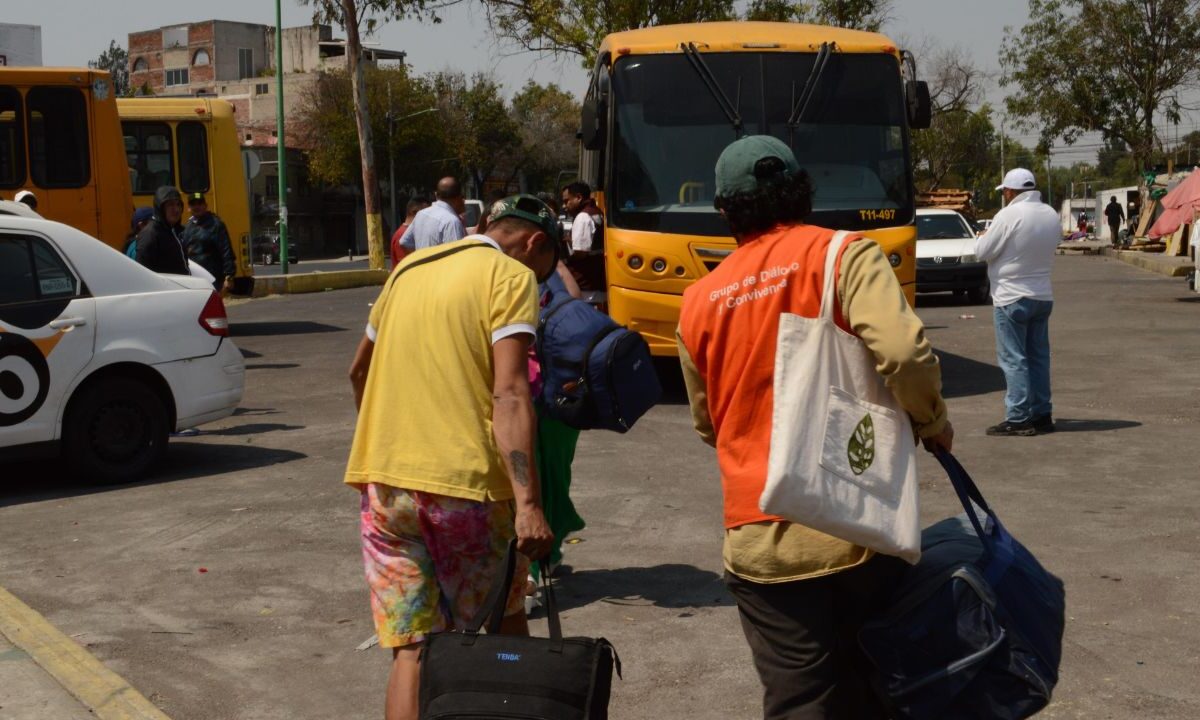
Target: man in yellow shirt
<point>443,449</point>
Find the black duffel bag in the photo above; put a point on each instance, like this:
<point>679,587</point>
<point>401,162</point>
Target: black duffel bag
<point>504,677</point>
<point>974,630</point>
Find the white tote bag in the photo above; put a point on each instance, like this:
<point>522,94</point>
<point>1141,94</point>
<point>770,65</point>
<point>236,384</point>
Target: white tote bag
<point>843,456</point>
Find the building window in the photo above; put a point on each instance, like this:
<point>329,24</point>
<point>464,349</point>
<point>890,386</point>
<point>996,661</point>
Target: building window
<point>58,137</point>
<point>272,186</point>
<point>12,139</point>
<point>201,58</point>
<point>193,156</point>
<point>148,155</point>
<point>245,62</point>
<point>178,76</point>
<point>140,65</point>
<point>262,88</point>
<point>175,36</point>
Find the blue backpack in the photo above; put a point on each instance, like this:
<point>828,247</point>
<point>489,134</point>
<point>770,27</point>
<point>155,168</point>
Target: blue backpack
<point>596,374</point>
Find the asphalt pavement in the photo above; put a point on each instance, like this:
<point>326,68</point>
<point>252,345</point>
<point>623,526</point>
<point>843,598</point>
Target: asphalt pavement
<point>230,586</point>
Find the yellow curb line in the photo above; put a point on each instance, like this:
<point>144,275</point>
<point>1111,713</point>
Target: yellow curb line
<point>104,692</point>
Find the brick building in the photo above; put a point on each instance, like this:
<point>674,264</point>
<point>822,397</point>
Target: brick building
<point>236,62</point>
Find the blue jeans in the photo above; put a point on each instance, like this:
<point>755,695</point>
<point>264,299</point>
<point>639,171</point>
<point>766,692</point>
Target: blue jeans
<point>1023,349</point>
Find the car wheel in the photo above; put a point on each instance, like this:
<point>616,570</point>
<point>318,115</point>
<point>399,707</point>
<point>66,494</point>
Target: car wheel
<point>980,295</point>
<point>115,431</point>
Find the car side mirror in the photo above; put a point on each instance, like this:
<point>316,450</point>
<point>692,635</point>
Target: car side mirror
<point>920,107</point>
<point>592,126</point>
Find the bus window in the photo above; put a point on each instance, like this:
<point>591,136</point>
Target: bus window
<point>12,142</point>
<point>148,152</point>
<point>193,156</point>
<point>58,137</point>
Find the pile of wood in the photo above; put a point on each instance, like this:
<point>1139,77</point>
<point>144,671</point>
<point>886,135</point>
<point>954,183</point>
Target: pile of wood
<point>959,200</point>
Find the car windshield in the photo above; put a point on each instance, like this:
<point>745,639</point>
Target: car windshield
<point>669,129</point>
<point>941,227</point>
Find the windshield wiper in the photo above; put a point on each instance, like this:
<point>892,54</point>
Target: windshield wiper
<point>814,76</point>
<point>710,81</point>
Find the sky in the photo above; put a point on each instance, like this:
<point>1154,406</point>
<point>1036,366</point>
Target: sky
<point>75,31</point>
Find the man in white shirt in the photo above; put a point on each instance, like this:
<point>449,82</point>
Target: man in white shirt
<point>1019,249</point>
<point>439,223</point>
<point>586,261</point>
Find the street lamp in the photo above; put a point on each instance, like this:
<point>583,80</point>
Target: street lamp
<point>391,120</point>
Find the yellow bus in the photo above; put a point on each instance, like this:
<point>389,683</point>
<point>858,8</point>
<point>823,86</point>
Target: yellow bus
<point>662,104</point>
<point>191,143</point>
<point>59,135</point>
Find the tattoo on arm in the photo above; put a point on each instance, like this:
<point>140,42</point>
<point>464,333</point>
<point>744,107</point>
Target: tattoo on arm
<point>520,467</point>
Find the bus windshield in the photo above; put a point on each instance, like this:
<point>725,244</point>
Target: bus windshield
<point>669,128</point>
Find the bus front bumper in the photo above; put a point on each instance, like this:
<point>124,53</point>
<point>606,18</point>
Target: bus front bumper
<point>654,315</point>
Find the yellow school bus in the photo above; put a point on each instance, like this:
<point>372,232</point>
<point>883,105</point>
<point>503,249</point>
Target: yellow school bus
<point>662,104</point>
<point>192,144</point>
<point>59,139</point>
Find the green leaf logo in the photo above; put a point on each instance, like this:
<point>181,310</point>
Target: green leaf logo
<point>861,448</point>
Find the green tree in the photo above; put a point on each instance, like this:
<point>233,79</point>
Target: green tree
<point>484,135</point>
<point>418,143</point>
<point>356,17</point>
<point>1113,66</point>
<point>576,28</point>
<point>956,149</point>
<point>116,61</point>
<point>854,14</point>
<point>548,119</point>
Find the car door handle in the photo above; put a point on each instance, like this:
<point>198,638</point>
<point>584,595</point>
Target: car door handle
<point>70,322</point>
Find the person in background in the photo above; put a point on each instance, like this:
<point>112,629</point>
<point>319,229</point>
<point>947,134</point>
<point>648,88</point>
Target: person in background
<point>160,243</point>
<point>1019,250</point>
<point>801,594</point>
<point>206,242</point>
<point>586,260</point>
<point>141,216</point>
<point>397,251</point>
<point>27,197</point>
<point>1115,214</point>
<point>439,223</point>
<point>1083,224</point>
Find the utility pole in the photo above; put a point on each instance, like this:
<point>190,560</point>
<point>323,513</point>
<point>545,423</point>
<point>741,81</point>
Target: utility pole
<point>391,118</point>
<point>1049,182</point>
<point>1002,119</point>
<point>280,143</point>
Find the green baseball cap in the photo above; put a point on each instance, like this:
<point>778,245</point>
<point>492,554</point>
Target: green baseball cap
<point>528,207</point>
<point>736,165</point>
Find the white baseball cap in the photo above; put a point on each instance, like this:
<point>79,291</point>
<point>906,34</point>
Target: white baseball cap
<point>20,197</point>
<point>1018,179</point>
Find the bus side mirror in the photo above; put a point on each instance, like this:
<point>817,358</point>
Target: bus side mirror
<point>592,127</point>
<point>920,107</point>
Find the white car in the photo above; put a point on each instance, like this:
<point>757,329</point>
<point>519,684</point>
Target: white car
<point>101,358</point>
<point>946,256</point>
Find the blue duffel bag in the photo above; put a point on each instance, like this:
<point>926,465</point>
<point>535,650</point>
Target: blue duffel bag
<point>974,630</point>
<point>596,374</point>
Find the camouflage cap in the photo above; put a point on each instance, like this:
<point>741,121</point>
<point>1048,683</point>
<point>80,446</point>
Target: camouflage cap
<point>528,207</point>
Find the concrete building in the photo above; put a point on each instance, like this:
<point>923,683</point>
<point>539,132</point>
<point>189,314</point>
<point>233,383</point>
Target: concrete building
<point>236,62</point>
<point>20,45</point>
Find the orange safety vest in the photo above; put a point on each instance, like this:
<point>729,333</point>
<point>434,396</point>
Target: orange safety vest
<point>729,323</point>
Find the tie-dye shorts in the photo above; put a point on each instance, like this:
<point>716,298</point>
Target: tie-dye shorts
<point>431,559</point>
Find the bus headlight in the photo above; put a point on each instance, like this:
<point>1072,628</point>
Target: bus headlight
<point>635,262</point>
<point>895,259</point>
<point>659,265</point>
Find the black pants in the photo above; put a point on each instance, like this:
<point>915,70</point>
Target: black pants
<point>803,638</point>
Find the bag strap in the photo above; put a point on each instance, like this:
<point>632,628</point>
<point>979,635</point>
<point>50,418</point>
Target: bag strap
<point>552,618</point>
<point>827,293</point>
<point>998,544</point>
<point>492,609</point>
<point>430,258</point>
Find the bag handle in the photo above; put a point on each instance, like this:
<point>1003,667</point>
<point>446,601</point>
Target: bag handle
<point>835,247</point>
<point>998,544</point>
<point>492,610</point>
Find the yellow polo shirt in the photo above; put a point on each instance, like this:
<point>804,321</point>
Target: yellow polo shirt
<point>426,417</point>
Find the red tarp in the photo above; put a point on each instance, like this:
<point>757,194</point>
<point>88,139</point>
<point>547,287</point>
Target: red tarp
<point>1178,206</point>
